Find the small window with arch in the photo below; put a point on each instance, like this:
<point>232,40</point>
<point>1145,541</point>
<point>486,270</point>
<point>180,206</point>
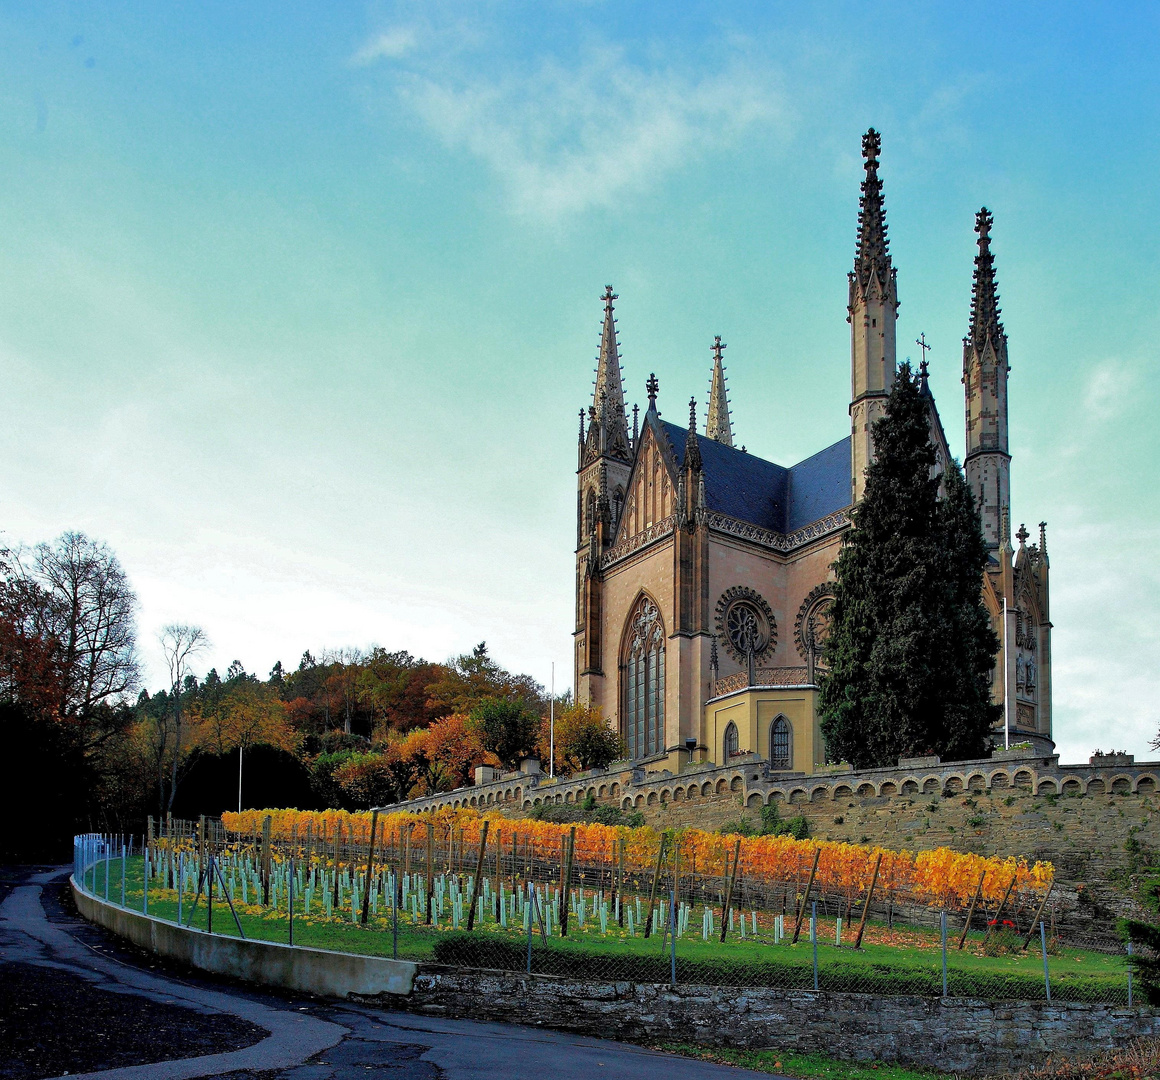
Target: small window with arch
<point>780,744</point>
<point>732,742</point>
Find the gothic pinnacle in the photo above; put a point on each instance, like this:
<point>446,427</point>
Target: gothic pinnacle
<point>692,449</point>
<point>608,393</point>
<point>717,423</point>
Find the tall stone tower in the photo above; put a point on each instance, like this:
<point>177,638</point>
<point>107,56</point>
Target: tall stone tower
<point>988,462</point>
<point>603,466</point>
<point>873,311</point>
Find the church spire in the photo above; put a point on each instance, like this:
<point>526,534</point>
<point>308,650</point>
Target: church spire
<point>987,462</point>
<point>873,313</point>
<point>608,396</point>
<point>985,324</point>
<point>717,423</point>
<point>873,257</point>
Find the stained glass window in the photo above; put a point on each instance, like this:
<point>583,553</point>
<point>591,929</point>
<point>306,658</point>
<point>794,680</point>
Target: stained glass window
<point>644,682</point>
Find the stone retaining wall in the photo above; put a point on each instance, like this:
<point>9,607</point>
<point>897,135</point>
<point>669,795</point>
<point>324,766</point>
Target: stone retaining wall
<point>950,1035</point>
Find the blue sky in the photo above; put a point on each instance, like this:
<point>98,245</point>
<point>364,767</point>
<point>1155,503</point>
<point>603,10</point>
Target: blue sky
<point>298,304</point>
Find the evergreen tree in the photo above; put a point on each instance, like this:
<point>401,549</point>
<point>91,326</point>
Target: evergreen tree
<point>910,645</point>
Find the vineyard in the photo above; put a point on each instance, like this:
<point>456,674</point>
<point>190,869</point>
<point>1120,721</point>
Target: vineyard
<point>615,902</point>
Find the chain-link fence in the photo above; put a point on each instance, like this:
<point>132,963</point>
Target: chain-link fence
<point>540,905</point>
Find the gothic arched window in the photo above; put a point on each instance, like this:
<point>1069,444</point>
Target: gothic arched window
<point>590,512</point>
<point>780,744</point>
<point>732,745</point>
<point>644,681</point>
<point>617,505</point>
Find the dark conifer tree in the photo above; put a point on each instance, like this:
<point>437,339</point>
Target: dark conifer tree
<point>909,644</point>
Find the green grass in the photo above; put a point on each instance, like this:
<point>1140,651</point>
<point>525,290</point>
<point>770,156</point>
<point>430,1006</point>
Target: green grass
<point>907,961</point>
<point>807,1066</point>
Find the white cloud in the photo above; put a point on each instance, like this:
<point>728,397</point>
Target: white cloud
<point>563,139</point>
<point>1108,389</point>
<point>388,45</point>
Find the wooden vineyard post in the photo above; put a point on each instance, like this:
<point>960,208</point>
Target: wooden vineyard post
<point>265,871</point>
<point>992,923</point>
<point>971,911</point>
<point>565,879</point>
<point>366,905</point>
<point>430,868</point>
<point>201,842</point>
<point>869,897</point>
<point>620,876</point>
<point>729,890</point>
<point>337,848</point>
<point>797,930</point>
<point>478,876</point>
<point>652,896</point>
<point>1039,911</point>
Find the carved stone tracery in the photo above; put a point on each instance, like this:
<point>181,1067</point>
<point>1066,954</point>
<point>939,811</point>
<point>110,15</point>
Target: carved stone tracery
<point>745,624</point>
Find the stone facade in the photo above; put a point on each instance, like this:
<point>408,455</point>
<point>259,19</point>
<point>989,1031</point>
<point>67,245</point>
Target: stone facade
<point>949,1034</point>
<point>703,571</point>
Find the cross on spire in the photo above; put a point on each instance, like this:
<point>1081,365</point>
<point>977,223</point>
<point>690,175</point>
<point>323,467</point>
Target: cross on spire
<point>652,388</point>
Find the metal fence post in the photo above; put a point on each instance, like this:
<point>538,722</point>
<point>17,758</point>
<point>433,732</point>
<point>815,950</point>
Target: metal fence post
<point>1046,975</point>
<point>943,923</point>
<point>180,883</point>
<point>531,900</point>
<point>108,856</point>
<point>395,921</point>
<point>290,893</point>
<point>673,933</point>
<point>814,939</point>
<point>145,880</point>
<point>1129,974</point>
<point>124,863</point>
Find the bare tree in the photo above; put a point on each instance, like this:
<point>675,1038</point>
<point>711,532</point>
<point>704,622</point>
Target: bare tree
<point>180,643</point>
<point>92,615</point>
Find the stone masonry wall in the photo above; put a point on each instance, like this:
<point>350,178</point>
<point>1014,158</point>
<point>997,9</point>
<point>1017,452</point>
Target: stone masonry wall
<point>951,1034</point>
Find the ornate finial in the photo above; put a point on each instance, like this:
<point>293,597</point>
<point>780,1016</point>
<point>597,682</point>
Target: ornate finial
<point>652,388</point>
<point>1022,535</point>
<point>713,661</point>
<point>692,414</point>
<point>608,297</point>
<point>581,425</point>
<point>923,374</point>
<point>718,348</point>
<point>1005,526</point>
<point>871,147</point>
<point>1043,540</point>
<point>635,423</point>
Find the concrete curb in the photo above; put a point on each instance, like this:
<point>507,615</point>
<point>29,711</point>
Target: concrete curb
<point>268,963</point>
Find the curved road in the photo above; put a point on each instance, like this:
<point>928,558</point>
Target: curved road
<point>76,1001</point>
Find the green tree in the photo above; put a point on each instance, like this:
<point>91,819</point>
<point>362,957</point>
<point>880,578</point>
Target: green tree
<point>584,740</point>
<point>508,729</point>
<point>910,646</point>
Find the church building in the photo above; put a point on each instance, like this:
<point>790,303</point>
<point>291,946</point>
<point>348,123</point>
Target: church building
<point>704,574</point>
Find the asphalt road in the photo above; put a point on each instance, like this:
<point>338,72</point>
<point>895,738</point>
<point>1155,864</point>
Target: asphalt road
<point>77,1001</point>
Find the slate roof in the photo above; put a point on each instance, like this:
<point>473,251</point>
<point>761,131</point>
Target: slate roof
<point>752,489</point>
